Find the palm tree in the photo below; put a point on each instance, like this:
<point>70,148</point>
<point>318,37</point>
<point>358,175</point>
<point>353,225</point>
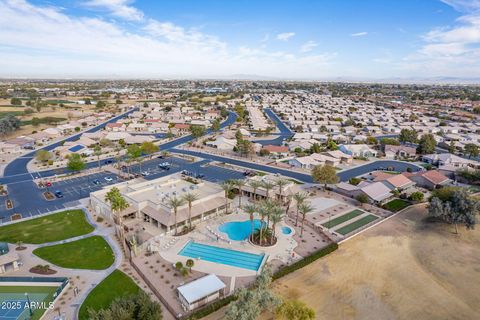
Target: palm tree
<point>281,183</point>
<point>97,151</point>
<point>239,183</point>
<point>304,209</point>
<point>255,185</point>
<point>251,209</point>
<point>174,203</point>
<point>299,199</point>
<point>289,202</point>
<point>117,205</point>
<point>275,216</point>
<point>190,198</point>
<point>227,187</point>
<point>267,186</point>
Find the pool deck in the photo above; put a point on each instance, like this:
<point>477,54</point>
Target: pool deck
<point>281,251</point>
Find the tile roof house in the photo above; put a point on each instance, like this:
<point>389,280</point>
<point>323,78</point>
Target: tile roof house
<point>276,150</point>
<point>392,152</point>
<point>377,192</point>
<point>431,179</point>
<point>397,181</point>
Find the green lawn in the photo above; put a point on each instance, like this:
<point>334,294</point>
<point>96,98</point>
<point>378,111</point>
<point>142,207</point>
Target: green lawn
<point>89,253</point>
<point>54,227</point>
<point>35,293</point>
<point>116,285</point>
<point>357,224</point>
<point>396,205</point>
<point>336,221</point>
<point>13,113</point>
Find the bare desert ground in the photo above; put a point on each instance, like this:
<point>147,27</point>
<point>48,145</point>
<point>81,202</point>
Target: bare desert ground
<point>405,268</point>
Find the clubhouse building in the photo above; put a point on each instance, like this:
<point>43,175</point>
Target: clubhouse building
<point>149,202</point>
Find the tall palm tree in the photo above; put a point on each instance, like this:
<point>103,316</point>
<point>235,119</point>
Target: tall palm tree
<point>190,198</point>
<point>227,187</point>
<point>267,186</point>
<point>251,209</point>
<point>305,208</point>
<point>117,205</point>
<point>289,203</point>
<point>281,183</point>
<point>255,184</point>
<point>276,216</point>
<point>97,151</point>
<point>239,183</point>
<point>299,199</point>
<point>174,203</point>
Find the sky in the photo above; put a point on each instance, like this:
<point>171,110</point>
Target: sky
<point>298,40</point>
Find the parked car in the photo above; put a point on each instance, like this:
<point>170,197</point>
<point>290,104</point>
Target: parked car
<point>108,179</point>
<point>145,173</point>
<point>199,175</point>
<point>96,181</point>
<point>48,184</point>
<point>108,161</point>
<point>164,165</point>
<point>59,194</point>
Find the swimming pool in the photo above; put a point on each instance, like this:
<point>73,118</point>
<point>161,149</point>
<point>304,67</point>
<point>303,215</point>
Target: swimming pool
<point>229,257</point>
<point>286,230</point>
<point>239,230</point>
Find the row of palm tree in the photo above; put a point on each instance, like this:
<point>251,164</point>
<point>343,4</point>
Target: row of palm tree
<point>176,202</point>
<point>269,210</point>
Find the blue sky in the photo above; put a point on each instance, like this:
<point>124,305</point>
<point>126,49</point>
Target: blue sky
<point>369,39</point>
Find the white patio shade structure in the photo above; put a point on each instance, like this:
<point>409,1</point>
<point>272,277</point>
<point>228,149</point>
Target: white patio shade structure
<point>201,291</point>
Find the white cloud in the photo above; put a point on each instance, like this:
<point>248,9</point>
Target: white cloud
<point>285,36</point>
<point>118,8</point>
<point>463,5</point>
<point>359,34</point>
<point>56,44</point>
<point>308,46</point>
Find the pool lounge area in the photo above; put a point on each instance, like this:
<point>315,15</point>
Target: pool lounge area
<point>235,258</point>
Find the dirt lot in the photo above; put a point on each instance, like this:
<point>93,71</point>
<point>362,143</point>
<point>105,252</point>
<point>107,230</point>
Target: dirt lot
<point>405,268</point>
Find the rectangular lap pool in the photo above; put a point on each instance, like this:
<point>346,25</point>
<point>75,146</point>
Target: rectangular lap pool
<point>229,257</point>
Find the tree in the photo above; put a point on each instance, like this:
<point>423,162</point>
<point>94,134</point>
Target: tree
<point>267,186</point>
<point>174,203</point>
<point>227,187</point>
<point>16,101</point>
<point>190,198</point>
<point>239,183</point>
<point>371,140</point>
<point>255,184</point>
<point>43,155</point>
<point>134,152</point>
<point>305,208</point>
<point>325,174</point>
<point>149,148</point>
<point>117,204</point>
<point>134,307</point>
<point>251,303</point>
<point>276,215</point>
<point>315,148</point>
<point>458,207</point>
<point>295,310</point>
<point>97,151</point>
<point>426,144</point>
<point>75,162</point>
<point>417,196</point>
<point>299,200</point>
<point>100,104</point>
<point>215,125</point>
<point>407,135</point>
<point>251,209</point>
<point>281,184</point>
<point>362,198</point>
<point>389,141</point>
<point>197,131</point>
<point>190,263</point>
<point>471,150</point>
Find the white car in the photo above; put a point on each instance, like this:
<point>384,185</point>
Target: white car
<point>108,179</point>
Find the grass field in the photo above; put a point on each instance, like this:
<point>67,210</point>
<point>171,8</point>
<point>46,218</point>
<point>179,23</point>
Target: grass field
<point>396,205</point>
<point>339,220</point>
<point>54,227</point>
<point>357,224</point>
<point>90,253</point>
<point>13,113</point>
<point>116,285</point>
<point>404,268</point>
<point>35,293</point>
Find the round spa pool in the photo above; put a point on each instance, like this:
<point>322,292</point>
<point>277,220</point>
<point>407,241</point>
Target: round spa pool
<point>286,230</point>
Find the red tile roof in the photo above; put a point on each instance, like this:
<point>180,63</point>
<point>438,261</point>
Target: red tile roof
<point>277,149</point>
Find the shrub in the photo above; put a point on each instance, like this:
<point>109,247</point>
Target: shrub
<point>417,196</point>
<point>211,308</point>
<point>354,181</point>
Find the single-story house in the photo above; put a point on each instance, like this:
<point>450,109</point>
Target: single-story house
<point>377,192</point>
<point>201,292</point>
<point>358,150</point>
<point>405,152</point>
<point>276,150</point>
<point>431,179</point>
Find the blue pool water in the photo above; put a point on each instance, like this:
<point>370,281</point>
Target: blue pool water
<point>286,230</point>
<point>239,230</point>
<point>229,257</point>
<point>76,148</point>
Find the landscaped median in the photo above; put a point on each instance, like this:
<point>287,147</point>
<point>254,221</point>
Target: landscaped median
<point>54,227</point>
<point>116,285</point>
<point>93,253</point>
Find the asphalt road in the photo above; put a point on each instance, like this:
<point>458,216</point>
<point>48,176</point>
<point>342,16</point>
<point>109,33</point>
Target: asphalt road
<point>285,131</point>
